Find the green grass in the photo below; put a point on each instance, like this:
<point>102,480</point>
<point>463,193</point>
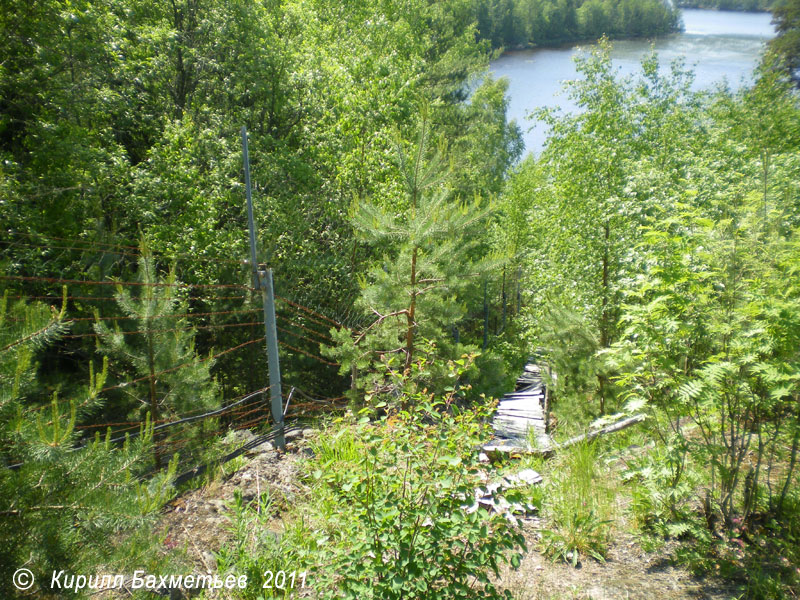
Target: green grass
<point>578,505</point>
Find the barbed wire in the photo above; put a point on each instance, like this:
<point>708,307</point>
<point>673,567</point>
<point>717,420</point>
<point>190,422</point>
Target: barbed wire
<point>314,397</point>
<point>313,331</point>
<point>153,376</point>
<point>149,331</point>
<point>52,247</point>
<point>111,298</point>
<point>308,354</point>
<point>174,433</point>
<point>151,317</point>
<point>129,283</point>
<point>308,310</point>
<point>299,336</point>
<point>170,370</point>
<point>71,240</point>
<point>189,417</point>
<point>125,250</point>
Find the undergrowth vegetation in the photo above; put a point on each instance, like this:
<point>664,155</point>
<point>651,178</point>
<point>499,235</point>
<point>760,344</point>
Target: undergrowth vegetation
<point>650,255</point>
<point>680,302</point>
<point>390,509</point>
<point>578,506</point>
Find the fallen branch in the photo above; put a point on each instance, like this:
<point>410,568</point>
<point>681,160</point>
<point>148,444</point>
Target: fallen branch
<point>550,450</point>
<point>613,428</point>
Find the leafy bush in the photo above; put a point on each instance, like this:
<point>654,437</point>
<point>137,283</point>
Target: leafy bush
<point>405,529</point>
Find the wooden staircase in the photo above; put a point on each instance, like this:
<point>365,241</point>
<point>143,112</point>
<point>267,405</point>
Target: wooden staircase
<point>519,423</point>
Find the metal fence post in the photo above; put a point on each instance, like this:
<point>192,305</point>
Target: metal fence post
<point>262,280</point>
<point>250,221</point>
<point>272,355</point>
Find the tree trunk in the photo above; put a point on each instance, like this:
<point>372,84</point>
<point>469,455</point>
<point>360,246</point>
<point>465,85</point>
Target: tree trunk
<point>154,413</point>
<point>604,316</point>
<point>411,324</point>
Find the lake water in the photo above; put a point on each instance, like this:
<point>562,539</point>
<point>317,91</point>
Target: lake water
<point>717,45</point>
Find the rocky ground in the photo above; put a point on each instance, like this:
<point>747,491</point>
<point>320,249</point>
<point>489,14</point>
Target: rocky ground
<point>199,521</point>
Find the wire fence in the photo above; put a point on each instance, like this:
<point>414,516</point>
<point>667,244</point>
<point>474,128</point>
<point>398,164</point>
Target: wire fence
<point>222,315</point>
<point>118,412</point>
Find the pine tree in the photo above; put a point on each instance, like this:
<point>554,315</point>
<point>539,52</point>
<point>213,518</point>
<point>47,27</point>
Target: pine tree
<point>157,349</point>
<point>61,501</point>
<point>414,290</point>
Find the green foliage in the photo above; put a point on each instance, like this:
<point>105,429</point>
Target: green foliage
<point>517,23</point>
<point>407,532</point>
<point>786,45</point>
<point>603,173</point>
<point>662,489</point>
<point>127,116</point>
<point>160,340</point>
<point>414,291</point>
<point>63,505</point>
<point>664,247</point>
<point>707,339</point>
<point>745,5</point>
<point>337,449</point>
<point>256,549</point>
<point>169,378</point>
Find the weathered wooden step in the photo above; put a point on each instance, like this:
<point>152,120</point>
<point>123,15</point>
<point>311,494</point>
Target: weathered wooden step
<point>522,420</point>
<point>521,413</point>
<point>517,401</point>
<point>528,392</point>
<point>517,428</point>
<point>529,397</point>
<point>519,416</point>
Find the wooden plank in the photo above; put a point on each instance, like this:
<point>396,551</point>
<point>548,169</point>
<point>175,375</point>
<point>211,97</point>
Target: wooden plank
<point>520,406</point>
<point>518,422</point>
<point>516,429</point>
<point>526,397</point>
<point>518,426</point>
<point>535,401</point>
<point>527,414</point>
<point>521,411</point>
<point>519,403</point>
<point>529,390</point>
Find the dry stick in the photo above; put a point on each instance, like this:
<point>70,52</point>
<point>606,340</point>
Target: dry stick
<point>547,452</point>
<point>258,492</point>
<point>614,427</point>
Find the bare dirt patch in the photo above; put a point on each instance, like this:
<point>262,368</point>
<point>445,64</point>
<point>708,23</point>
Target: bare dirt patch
<point>199,521</point>
<point>629,573</point>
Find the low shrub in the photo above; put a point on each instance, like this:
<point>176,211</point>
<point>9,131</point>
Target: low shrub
<point>406,527</point>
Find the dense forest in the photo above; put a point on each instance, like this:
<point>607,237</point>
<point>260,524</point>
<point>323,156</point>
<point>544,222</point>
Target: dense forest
<point>748,5</point>
<point>649,256</point>
<point>522,23</point>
